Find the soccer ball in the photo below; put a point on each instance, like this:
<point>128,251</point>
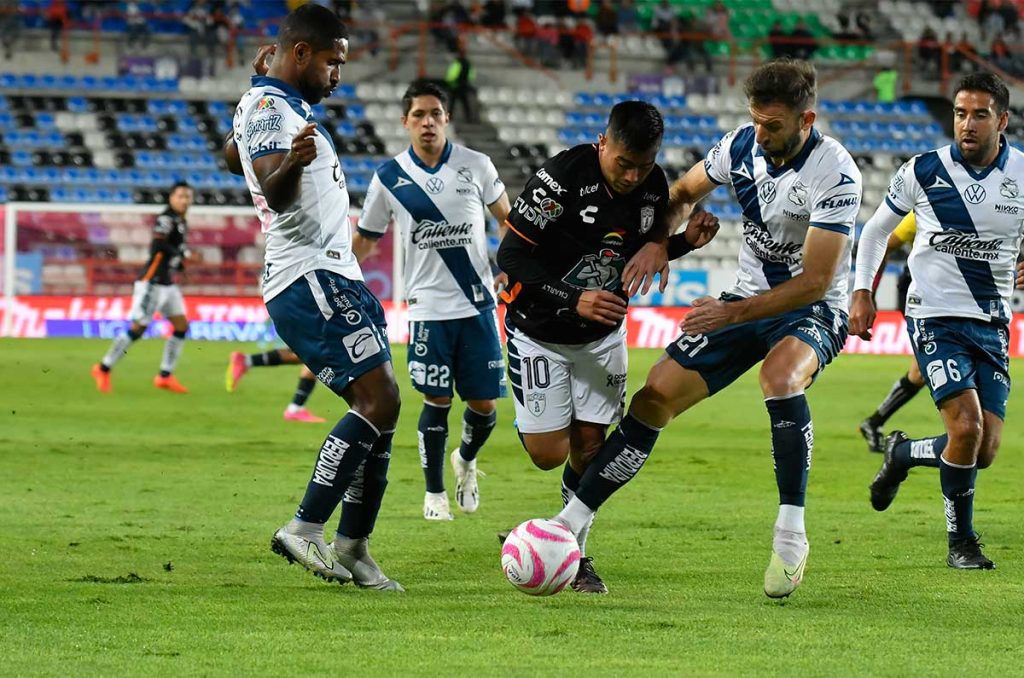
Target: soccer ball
<point>540,557</point>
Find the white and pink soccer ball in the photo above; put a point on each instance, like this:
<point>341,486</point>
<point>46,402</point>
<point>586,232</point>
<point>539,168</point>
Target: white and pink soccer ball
<point>540,557</point>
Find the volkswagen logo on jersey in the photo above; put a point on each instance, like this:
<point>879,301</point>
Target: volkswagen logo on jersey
<point>767,192</point>
<point>646,218</point>
<point>435,185</point>
<point>974,194</point>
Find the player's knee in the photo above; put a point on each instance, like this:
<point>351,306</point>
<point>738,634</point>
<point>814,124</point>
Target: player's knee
<point>546,455</point>
<point>653,402</point>
<point>775,383</point>
<point>482,406</point>
<point>383,407</point>
<point>965,432</point>
<point>988,451</point>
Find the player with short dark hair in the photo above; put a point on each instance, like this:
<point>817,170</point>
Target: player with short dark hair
<point>437,192</point>
<point>966,199</point>
<point>587,212</point>
<point>156,292</point>
<point>800,192</point>
<point>315,294</point>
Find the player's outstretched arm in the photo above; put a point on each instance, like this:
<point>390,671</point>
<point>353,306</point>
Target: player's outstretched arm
<point>872,250</point>
<point>686,191</point>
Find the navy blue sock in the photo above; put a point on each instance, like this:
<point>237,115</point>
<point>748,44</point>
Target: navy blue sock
<point>792,442</point>
<point>958,497</point>
<point>340,457</point>
<point>302,391</point>
<point>268,359</point>
<point>570,483</point>
<point>433,436</point>
<point>476,429</point>
<point>619,460</point>
<point>924,452</point>
<point>362,500</point>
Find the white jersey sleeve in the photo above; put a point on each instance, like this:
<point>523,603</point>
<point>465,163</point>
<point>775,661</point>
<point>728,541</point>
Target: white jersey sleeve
<point>377,210</point>
<point>903,189</point>
<point>269,128</point>
<point>836,196</point>
<point>718,162</point>
<point>491,183</point>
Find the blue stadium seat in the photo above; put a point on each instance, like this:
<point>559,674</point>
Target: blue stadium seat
<point>584,99</point>
<point>3,194</point>
<point>6,120</point>
<point>219,108</point>
<point>8,80</point>
<point>78,105</point>
<point>88,82</point>
<point>60,194</point>
<point>21,158</point>
<point>355,112</point>
<point>122,196</point>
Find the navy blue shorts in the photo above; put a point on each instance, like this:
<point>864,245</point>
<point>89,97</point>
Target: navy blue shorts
<point>720,357</point>
<point>335,326</point>
<point>957,354</point>
<point>465,352</point>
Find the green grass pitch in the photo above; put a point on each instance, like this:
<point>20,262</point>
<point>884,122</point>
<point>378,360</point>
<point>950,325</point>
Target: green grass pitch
<point>136,530</point>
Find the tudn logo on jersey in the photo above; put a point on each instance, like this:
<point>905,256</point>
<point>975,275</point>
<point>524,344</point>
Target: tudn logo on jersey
<point>265,104</point>
<point>550,208</point>
<point>599,271</point>
<point>767,192</point>
<point>965,245</point>
<point>435,185</point>
<point>646,218</point>
<point>974,194</point>
<point>437,235</point>
<point>1008,189</point>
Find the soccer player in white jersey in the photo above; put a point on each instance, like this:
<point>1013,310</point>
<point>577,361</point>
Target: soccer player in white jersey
<point>968,204</point>
<point>437,192</point>
<point>315,294</point>
<point>800,192</point>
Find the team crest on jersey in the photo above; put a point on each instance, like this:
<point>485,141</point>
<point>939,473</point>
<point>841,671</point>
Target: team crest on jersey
<point>536,402</point>
<point>646,218</point>
<point>767,192</point>
<point>465,176</point>
<point>435,185</point>
<point>798,194</point>
<point>974,194</point>
<point>599,271</point>
<point>1008,189</point>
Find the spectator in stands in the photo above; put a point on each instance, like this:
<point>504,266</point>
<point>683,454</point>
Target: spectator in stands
<point>629,18</point>
<point>867,32</point>
<point>845,33</point>
<point>992,19</point>
<point>459,78</point>
<point>962,54</point>
<point>451,16</point>
<point>10,26</point>
<point>663,19</point>
<point>718,21</point>
<point>368,15</point>
<point>567,42</point>
<point>804,43</point>
<point>929,52</point>
<point>57,19</point>
<point>1011,17</point>
<point>942,8</point>
<point>521,6</point>
<point>584,36</point>
<point>136,27</point>
<point>547,42</point>
<point>202,32</point>
<point>607,19</point>
<point>684,47</point>
<point>885,85</point>
<point>494,14</point>
<point>778,41</point>
<point>526,33</point>
<point>578,8</point>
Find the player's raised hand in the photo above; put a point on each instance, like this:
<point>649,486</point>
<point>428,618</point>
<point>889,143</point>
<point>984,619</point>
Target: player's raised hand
<point>639,272</point>
<point>708,315</point>
<point>862,312</point>
<point>701,229</point>
<point>1020,275</point>
<point>303,150</point>
<point>601,306</point>
<point>263,54</point>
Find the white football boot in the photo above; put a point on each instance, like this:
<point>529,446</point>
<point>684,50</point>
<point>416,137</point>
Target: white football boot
<point>312,554</point>
<point>435,506</point>
<point>467,492</point>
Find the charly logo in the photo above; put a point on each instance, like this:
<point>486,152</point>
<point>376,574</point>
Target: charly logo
<point>767,192</point>
<point>1008,189</point>
<point>435,185</point>
<point>974,194</point>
